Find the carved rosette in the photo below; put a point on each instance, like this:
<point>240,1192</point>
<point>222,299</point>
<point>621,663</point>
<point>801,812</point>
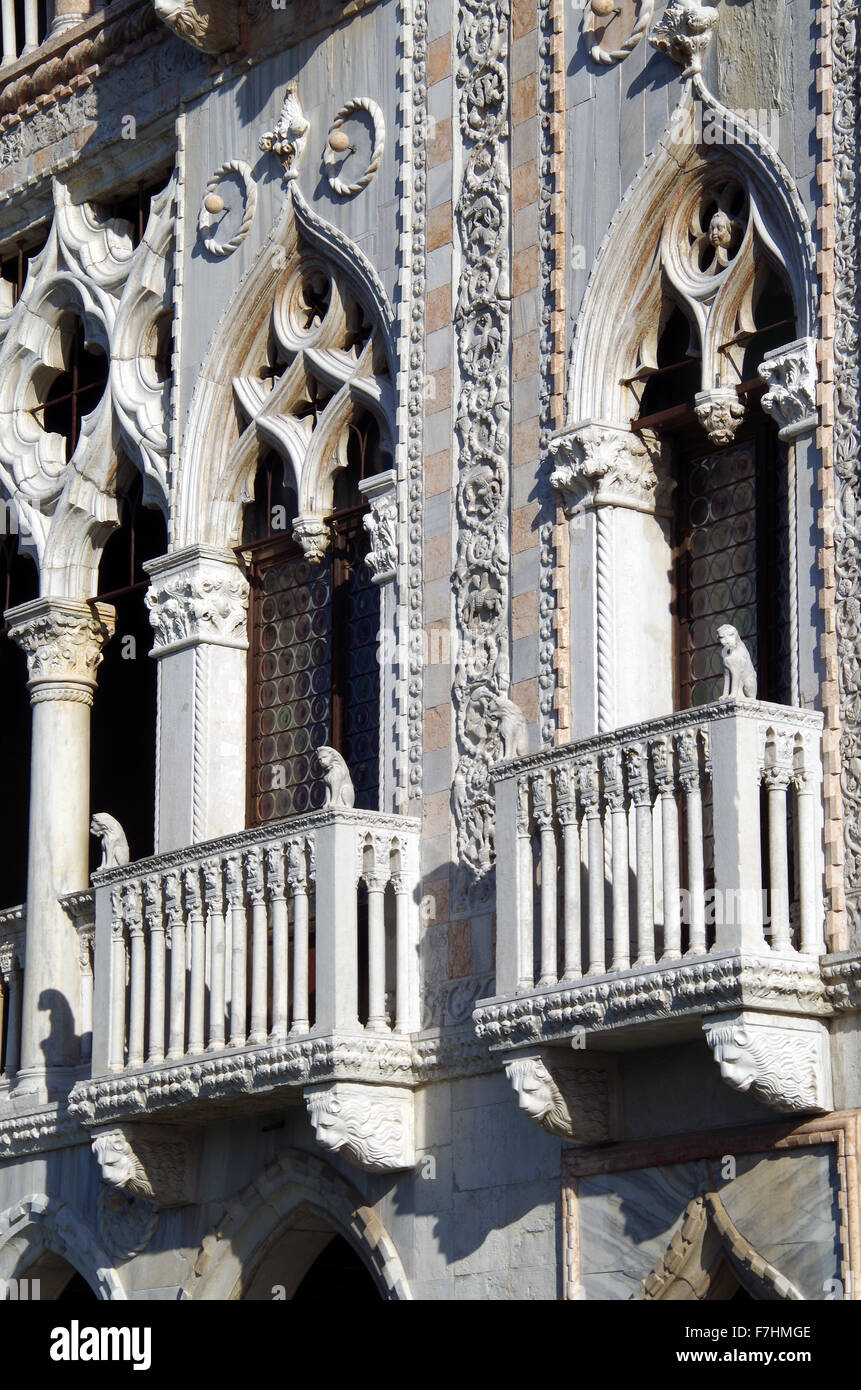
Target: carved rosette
<point>719,412</point>
<point>211,26</point>
<point>684,33</point>
<point>197,595</point>
<point>602,465</point>
<point>149,1161</point>
<point>790,373</point>
<point>783,1061</point>
<point>63,641</point>
<point>569,1102</point>
<point>372,1126</point>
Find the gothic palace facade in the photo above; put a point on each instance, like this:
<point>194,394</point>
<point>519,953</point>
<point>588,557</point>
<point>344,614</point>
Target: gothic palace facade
<point>431,649</point>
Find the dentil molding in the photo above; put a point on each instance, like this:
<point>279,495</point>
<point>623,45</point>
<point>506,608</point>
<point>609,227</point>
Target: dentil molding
<point>372,1126</point>
<point>790,374</point>
<point>156,1162</point>
<point>783,1062</point>
<point>197,595</point>
<point>570,1102</point>
<point>598,464</point>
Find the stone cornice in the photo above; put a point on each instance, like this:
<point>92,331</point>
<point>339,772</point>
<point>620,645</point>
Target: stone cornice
<point>781,716</point>
<point>49,1127</point>
<point>712,984</point>
<point>377,821</point>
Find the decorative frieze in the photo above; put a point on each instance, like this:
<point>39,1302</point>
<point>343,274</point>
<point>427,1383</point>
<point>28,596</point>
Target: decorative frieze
<point>372,1126</point>
<point>790,374</point>
<point>483,335</point>
<point>599,465</point>
<point>684,33</point>
<point>197,595</point>
<point>63,641</point>
<point>783,1062</point>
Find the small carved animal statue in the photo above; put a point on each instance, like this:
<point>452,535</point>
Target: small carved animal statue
<point>739,677</point>
<point>115,846</point>
<point>512,728</point>
<point>336,775</point>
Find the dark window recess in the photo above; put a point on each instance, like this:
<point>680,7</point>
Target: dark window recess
<point>15,263</point>
<point>774,321</point>
<point>133,206</point>
<point>18,584</point>
<point>314,673</point>
<point>337,1273</point>
<point>77,389</point>
<point>733,564</point>
<point>677,378</point>
<point>124,707</point>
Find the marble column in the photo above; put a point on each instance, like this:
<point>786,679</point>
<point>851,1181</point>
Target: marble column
<point>198,604</point>
<point>621,647</point>
<point>63,641</point>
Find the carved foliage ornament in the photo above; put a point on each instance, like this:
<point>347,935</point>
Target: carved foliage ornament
<point>287,140</point>
<point>783,1062</point>
<point>197,600</point>
<point>482,325</point>
<point>790,374</point>
<point>63,641</point>
<point>597,464</point>
<point>684,33</point>
<point>372,1126</point>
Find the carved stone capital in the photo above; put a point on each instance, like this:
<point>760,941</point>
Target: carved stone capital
<point>312,533</point>
<point>599,464</point>
<point>372,1126</point>
<point>382,525</point>
<point>63,641</point>
<point>684,33</point>
<point>287,139</point>
<point>719,412</point>
<point>212,26</point>
<point>197,595</point>
<point>568,1101</point>
<point>790,373</point>
<point>782,1060</point>
<point>151,1161</point>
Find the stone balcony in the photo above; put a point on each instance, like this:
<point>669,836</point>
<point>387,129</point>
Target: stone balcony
<point>264,967</point>
<point>660,881</point>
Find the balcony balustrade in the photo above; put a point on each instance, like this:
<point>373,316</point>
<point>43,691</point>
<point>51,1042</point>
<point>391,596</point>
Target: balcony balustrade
<point>282,956</point>
<point>657,874</point>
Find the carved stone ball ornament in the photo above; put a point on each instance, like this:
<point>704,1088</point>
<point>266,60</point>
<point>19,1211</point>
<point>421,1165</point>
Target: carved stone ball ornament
<point>599,26</point>
<point>228,208</point>
<point>354,146</point>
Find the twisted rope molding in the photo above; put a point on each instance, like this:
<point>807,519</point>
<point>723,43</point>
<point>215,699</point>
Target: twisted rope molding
<point>605,673</point>
<point>349,190</point>
<point>608,57</point>
<point>243,173</point>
